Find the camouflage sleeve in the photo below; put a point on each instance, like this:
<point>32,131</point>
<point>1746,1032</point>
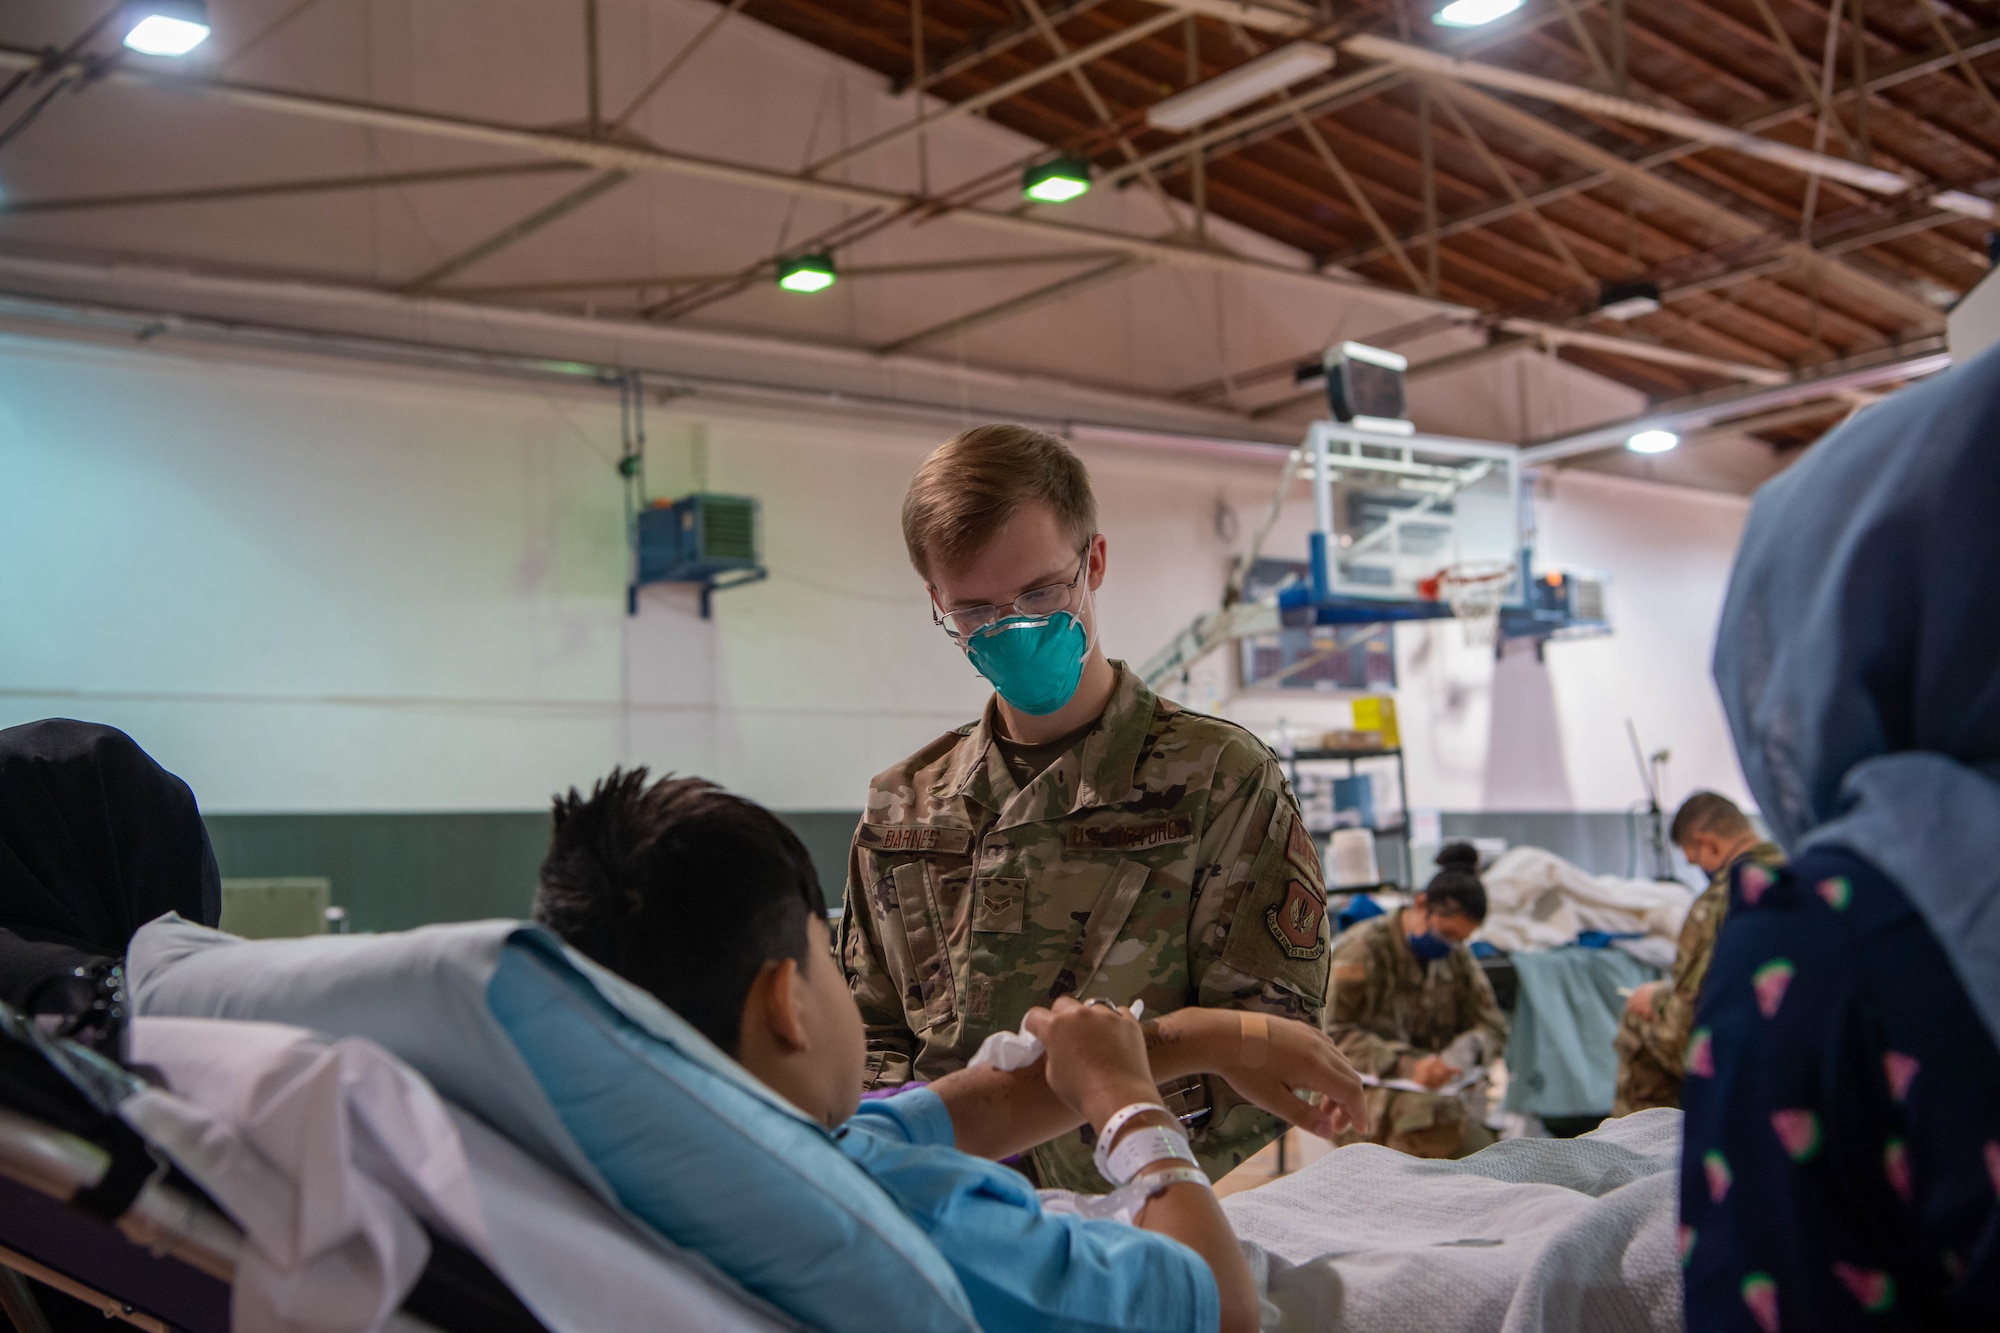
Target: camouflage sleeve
<point>892,1047</point>
<point>1665,1036</point>
<point>1357,1013</point>
<point>1480,1015</point>
<point>1675,999</point>
<point>1256,940</point>
<point>1259,935</point>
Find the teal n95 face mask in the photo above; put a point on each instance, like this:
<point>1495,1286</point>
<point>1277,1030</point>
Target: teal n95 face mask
<point>1035,662</point>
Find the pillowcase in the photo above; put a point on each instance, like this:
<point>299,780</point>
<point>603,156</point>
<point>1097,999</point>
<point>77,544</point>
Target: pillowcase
<point>599,1079</point>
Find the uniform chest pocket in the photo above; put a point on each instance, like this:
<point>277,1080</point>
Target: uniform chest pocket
<point>999,906</point>
<point>926,928</point>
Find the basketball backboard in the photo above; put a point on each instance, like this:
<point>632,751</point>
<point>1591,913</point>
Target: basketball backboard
<point>1401,509</point>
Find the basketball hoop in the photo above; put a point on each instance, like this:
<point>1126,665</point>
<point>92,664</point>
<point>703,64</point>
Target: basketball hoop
<point>1474,589</point>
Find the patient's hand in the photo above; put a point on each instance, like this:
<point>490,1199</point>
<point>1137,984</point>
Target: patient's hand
<point>1096,1057</point>
<point>1271,1069</point>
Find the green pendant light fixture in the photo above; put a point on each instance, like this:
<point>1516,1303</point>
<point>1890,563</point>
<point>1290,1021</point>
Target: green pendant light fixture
<point>1058,180</point>
<point>806,273</point>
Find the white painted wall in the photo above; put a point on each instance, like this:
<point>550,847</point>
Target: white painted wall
<point>313,587</point>
<point>1526,735</point>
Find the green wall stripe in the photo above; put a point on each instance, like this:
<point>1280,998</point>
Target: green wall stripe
<point>392,872</point>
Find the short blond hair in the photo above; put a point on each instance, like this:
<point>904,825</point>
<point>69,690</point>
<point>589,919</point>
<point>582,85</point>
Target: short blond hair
<point>976,481</point>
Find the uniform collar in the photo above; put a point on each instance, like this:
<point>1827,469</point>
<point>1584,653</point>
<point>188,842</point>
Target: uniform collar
<point>1097,773</point>
<point>1764,853</point>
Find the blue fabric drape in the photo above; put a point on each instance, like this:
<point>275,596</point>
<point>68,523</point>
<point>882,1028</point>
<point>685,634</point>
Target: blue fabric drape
<point>1859,655</point>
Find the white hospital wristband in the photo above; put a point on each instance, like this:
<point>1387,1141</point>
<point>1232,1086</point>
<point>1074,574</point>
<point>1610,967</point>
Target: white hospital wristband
<point>1157,1181</point>
<point>1143,1147</point>
<point>1118,1119</point>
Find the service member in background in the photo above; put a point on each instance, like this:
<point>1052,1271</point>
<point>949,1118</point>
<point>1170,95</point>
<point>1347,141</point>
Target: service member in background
<point>1652,1037</point>
<point>1085,836</point>
<point>1410,1005</point>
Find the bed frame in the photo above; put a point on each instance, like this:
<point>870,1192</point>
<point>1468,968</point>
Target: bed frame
<point>88,1208</point>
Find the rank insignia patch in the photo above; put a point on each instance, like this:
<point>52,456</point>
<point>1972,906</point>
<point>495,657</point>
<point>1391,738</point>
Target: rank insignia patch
<point>1299,850</point>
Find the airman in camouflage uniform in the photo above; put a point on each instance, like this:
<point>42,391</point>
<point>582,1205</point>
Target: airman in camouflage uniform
<point>1388,1010</point>
<point>1652,1038</point>
<point>1162,858</point>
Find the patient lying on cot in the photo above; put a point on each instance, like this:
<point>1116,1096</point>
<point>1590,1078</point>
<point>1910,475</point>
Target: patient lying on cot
<point>710,903</point>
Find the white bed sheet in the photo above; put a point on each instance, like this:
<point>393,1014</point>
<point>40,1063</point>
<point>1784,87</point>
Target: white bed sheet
<point>1531,1235</point>
<point>1537,900</point>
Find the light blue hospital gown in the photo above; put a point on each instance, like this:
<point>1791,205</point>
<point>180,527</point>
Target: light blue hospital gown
<point>1025,1270</point>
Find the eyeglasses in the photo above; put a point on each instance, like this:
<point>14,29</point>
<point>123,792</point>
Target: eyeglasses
<point>1036,603</point>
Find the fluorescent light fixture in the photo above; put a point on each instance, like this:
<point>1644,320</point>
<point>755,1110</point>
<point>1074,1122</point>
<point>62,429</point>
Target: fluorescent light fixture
<point>1628,300</point>
<point>166,27</point>
<point>1653,442</point>
<point>1057,182</point>
<point>1241,86</point>
<point>1971,205</point>
<point>1472,13</point>
<point>807,273</point>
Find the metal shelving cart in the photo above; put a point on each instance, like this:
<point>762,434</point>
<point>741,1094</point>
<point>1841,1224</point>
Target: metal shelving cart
<point>1395,834</point>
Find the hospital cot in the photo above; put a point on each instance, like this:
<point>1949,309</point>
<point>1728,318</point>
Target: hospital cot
<point>88,1208</point>
<point>1532,1236</point>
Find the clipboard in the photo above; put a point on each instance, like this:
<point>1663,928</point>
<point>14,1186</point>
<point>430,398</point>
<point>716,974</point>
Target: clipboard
<point>1450,1089</point>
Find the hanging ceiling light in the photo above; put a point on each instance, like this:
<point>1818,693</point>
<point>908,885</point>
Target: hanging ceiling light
<point>1653,442</point>
<point>1057,182</point>
<point>166,27</point>
<point>1472,13</point>
<point>806,273</point>
<point>1241,86</point>
<point>1628,300</point>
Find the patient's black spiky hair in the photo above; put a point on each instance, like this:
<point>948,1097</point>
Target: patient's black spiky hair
<point>679,887</point>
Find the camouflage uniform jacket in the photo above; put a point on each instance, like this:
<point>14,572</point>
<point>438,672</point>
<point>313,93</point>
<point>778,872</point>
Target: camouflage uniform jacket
<point>1162,859</point>
<point>1653,1046</point>
<point>1386,1008</point>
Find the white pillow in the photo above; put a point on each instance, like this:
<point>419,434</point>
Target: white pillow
<point>598,1079</point>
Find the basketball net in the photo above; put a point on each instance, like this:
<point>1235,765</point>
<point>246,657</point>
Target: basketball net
<point>1474,589</point>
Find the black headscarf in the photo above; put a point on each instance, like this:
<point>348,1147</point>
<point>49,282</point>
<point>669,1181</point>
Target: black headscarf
<point>96,840</point>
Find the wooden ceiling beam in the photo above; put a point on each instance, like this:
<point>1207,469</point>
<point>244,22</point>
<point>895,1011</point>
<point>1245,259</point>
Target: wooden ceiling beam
<point>976,51</point>
<point>1718,216</point>
<point>1854,327</point>
<point>1743,35</point>
<point>1560,279</point>
<point>1511,289</point>
<point>1882,78</point>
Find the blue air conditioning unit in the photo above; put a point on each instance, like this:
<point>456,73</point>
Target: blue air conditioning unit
<point>715,541</point>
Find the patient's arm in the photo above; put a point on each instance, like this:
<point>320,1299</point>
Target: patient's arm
<point>997,1113</point>
<point>1097,1064</point>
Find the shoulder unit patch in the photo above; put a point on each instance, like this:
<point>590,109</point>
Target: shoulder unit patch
<point>1295,922</point>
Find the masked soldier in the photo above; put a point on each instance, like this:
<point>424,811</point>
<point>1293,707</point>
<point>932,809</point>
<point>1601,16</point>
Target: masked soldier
<point>1084,836</point>
<point>1653,1034</point>
<point>1409,1005</point>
